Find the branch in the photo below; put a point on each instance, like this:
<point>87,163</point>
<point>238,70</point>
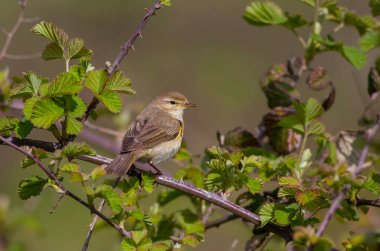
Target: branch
<point>9,35</point>
<point>124,51</point>
<point>212,198</point>
<point>63,189</point>
<point>370,133</point>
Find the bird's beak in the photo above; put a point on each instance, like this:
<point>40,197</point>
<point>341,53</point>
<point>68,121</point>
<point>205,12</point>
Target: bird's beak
<point>189,105</point>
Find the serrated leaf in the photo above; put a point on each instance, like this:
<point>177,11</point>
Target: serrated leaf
<point>51,32</point>
<point>355,56</point>
<point>23,129</point>
<point>307,196</point>
<point>375,7</point>
<point>309,2</point>
<point>73,126</point>
<point>28,107</point>
<point>282,217</point>
<point>192,239</point>
<point>112,198</point>
<point>74,149</point>
<point>74,46</point>
<point>292,122</point>
<point>148,181</point>
<point>45,113</point>
<point>76,107</point>
<point>34,81</point>
<point>288,181</point>
<point>254,185</point>
<point>111,100</point>
<point>318,79</point>
<point>373,183</point>
<point>266,213</point>
<point>264,13</point>
<point>370,40</point>
<point>119,83</point>
<point>84,52</point>
<point>189,222</point>
<point>162,246</point>
<point>39,153</point>
<point>65,83</point>
<point>7,125</point>
<point>317,128</point>
<point>312,109</point>
<point>74,171</point>
<point>97,173</point>
<point>287,191</point>
<point>95,81</point>
<point>52,51</point>
<point>30,187</point>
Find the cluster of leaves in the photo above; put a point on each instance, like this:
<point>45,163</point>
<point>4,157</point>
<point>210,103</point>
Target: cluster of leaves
<point>286,173</point>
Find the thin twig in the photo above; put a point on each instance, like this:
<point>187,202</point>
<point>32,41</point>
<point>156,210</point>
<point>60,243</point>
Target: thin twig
<point>62,188</point>
<point>124,51</point>
<point>370,133</point>
<point>9,35</point>
<point>23,57</point>
<point>102,129</point>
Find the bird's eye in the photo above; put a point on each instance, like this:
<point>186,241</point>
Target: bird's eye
<point>172,102</point>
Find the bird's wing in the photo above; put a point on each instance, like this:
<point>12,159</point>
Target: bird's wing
<point>143,134</point>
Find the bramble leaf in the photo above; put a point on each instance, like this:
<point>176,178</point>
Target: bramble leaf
<point>30,187</point>
<point>254,185</point>
<point>45,113</point>
<point>95,81</point>
<point>266,213</point>
<point>119,83</point>
<point>112,198</point>
<point>65,83</point>
<point>7,125</point>
<point>264,13</point>
<point>111,100</point>
<point>74,149</point>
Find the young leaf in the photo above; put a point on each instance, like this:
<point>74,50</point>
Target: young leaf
<point>288,181</point>
<point>111,100</point>
<point>254,185</point>
<point>45,113</point>
<point>28,107</point>
<point>95,81</point>
<point>266,213</point>
<point>119,83</point>
<point>52,51</point>
<point>355,56</point>
<point>189,222</point>
<point>73,48</point>
<point>23,129</point>
<point>74,171</point>
<point>30,187</point>
<point>73,126</point>
<point>112,198</point>
<point>148,181</point>
<point>264,13</point>
<point>74,149</point>
<point>293,122</point>
<point>97,173</point>
<point>192,239</point>
<point>7,125</point>
<point>51,32</point>
<point>370,40</point>
<point>65,83</point>
<point>76,107</point>
<point>139,241</point>
<point>312,109</point>
<point>282,217</point>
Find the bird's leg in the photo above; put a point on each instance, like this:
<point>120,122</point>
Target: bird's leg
<point>155,168</point>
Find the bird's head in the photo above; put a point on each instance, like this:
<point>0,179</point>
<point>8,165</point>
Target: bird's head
<point>174,103</point>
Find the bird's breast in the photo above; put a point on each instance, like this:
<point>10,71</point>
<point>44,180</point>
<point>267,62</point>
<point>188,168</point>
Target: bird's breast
<point>164,150</point>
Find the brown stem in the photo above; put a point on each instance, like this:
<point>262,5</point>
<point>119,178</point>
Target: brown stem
<point>63,189</point>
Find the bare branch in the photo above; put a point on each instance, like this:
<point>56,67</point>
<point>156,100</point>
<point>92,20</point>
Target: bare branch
<point>23,57</point>
<point>63,189</point>
<point>124,50</point>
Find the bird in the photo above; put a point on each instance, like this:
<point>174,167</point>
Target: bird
<point>155,135</point>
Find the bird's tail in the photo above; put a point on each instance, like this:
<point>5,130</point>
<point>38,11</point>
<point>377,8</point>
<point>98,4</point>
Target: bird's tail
<point>121,164</point>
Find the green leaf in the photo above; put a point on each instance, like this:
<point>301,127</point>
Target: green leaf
<point>139,241</point>
<point>51,32</point>
<point>34,81</point>
<point>166,2</point>
<point>95,81</point>
<point>317,128</point>
<point>119,83</point>
<point>28,107</point>
<point>45,113</point>
<point>73,126</point>
<point>370,40</point>
<point>84,52</point>
<point>287,191</point>
<point>254,185</point>
<point>97,173</point>
<point>112,198</point>
<point>307,196</point>
<point>312,109</point>
<point>7,125</point>
<point>264,13</point>
<point>148,181</point>
<point>52,51</point>
<point>266,213</point>
<point>189,222</point>
<point>39,153</point>
<point>23,129</point>
<point>282,217</point>
<point>373,183</point>
<point>288,181</point>
<point>75,173</point>
<point>111,100</point>
<point>74,149</point>
<point>31,187</point>
<point>74,46</point>
<point>162,246</point>
<point>192,239</point>
<point>375,7</point>
<point>76,107</point>
<point>65,83</point>
<point>355,56</point>
<point>293,122</point>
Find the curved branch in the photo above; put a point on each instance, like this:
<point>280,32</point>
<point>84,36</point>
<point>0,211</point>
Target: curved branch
<point>63,189</point>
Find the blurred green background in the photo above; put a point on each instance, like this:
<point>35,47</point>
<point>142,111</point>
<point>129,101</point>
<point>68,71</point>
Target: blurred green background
<point>203,49</point>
